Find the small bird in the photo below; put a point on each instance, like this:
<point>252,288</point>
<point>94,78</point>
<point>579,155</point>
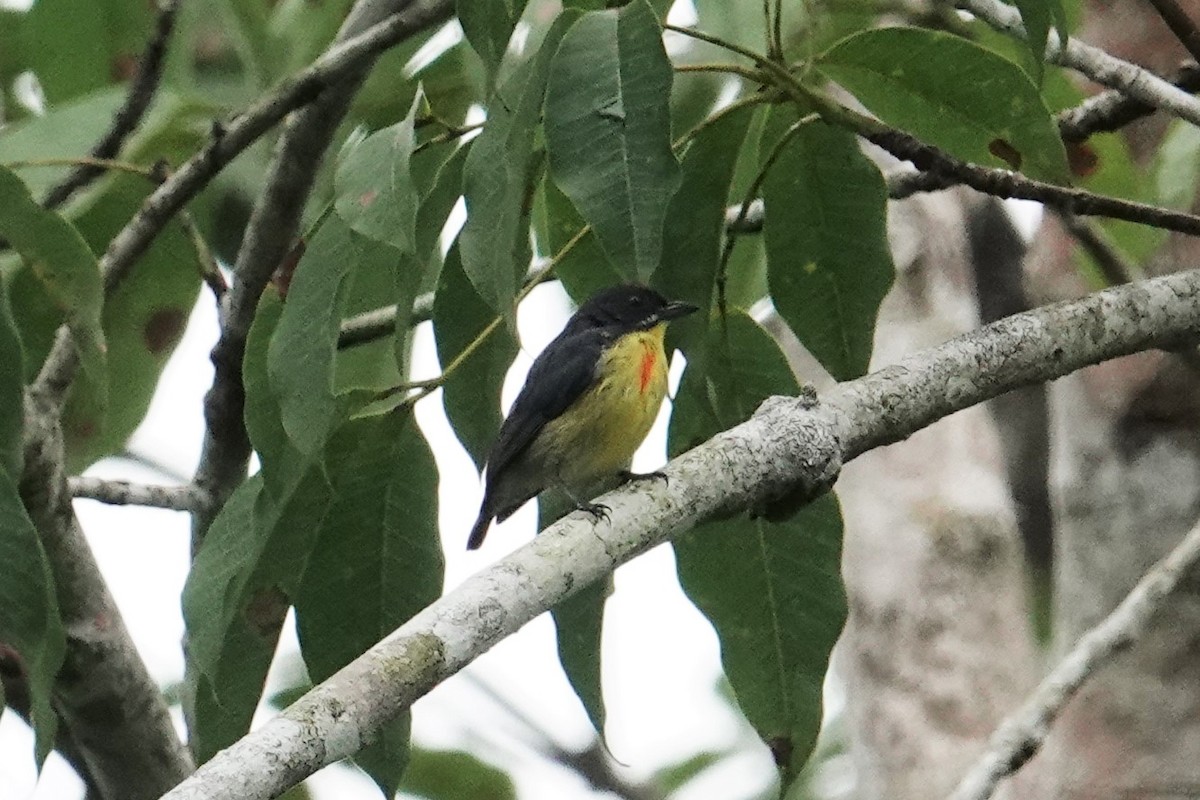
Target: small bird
<point>587,404</point>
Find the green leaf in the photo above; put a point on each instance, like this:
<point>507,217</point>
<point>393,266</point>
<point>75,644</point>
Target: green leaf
<point>584,269</point>
<point>471,394</point>
<point>772,590</point>
<point>303,349</point>
<point>1036,15</point>
<point>579,626</point>
<point>248,570</point>
<point>30,627</point>
<point>695,225</point>
<point>12,391</point>
<point>377,559</point>
<point>488,25</point>
<point>75,48</point>
<point>608,131</point>
<point>376,195</point>
<point>947,91</point>
<point>826,237</point>
<point>499,179</point>
<point>55,253</point>
<point>455,775</point>
<point>1177,167</point>
<point>68,129</point>
<point>143,320</point>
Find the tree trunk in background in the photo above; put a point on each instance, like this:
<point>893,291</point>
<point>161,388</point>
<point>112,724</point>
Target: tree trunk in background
<point>938,646</point>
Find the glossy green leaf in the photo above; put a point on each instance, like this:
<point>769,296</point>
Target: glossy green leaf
<point>488,25</point>
<point>499,180</point>
<point>826,238</point>
<point>471,394</point>
<point>12,390</point>
<point>608,131</point>
<point>772,590</point>
<point>249,568</point>
<point>455,775</point>
<point>302,352</point>
<point>947,91</point>
<point>30,626</point>
<point>376,194</point>
<point>57,256</point>
<point>694,232</point>
<point>377,559</point>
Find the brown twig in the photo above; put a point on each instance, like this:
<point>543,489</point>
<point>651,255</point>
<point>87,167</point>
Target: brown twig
<point>1005,184</point>
<point>141,92</point>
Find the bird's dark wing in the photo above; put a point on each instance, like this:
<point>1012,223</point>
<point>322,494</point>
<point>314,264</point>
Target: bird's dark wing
<point>563,372</point>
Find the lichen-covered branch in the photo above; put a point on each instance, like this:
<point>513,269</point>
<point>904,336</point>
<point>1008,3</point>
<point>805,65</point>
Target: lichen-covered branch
<point>127,493</point>
<point>791,446</point>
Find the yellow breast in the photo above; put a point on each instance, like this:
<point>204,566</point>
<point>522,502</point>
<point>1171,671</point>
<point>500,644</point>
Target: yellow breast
<point>599,433</point>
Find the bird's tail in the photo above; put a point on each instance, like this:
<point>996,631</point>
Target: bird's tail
<point>481,528</point>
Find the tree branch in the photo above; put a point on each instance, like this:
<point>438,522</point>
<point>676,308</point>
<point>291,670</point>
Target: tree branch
<point>1180,24</point>
<point>114,711</point>
<point>129,116</point>
<point>226,142</point>
<point>1130,79</point>
<point>127,493</point>
<point>791,446</point>
<point>1019,737</point>
<point>1113,110</point>
<point>1003,183</point>
<point>270,234</point>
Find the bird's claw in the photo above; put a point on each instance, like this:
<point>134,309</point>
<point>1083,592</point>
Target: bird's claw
<point>626,476</point>
<point>599,511</point>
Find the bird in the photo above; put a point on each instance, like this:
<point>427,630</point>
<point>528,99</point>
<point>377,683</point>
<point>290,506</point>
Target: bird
<point>588,402</point>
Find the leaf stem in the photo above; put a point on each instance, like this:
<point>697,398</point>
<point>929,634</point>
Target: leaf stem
<point>751,193</point>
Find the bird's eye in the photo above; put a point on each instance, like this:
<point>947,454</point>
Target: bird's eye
<point>635,300</point>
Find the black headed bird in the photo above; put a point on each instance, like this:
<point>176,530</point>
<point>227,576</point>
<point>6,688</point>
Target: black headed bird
<point>587,404</point>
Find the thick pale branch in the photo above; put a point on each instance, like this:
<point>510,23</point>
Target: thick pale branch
<point>1130,79</point>
<point>1020,736</point>
<point>790,447</point>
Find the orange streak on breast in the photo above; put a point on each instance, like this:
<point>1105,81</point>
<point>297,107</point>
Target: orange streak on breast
<point>648,361</point>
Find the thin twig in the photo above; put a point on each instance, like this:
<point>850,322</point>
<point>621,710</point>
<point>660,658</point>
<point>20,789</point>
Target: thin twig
<point>1022,734</point>
<point>1112,263</point>
<point>129,116</point>
<point>128,493</point>
<point>1180,24</point>
<point>1002,183</point>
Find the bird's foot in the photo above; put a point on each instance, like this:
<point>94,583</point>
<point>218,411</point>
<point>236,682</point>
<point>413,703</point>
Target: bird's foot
<point>627,476</point>
<point>599,511</point>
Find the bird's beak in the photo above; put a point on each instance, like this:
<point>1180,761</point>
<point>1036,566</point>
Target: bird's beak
<point>676,309</point>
